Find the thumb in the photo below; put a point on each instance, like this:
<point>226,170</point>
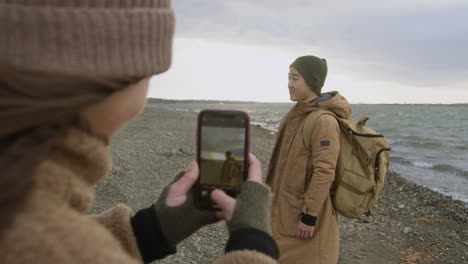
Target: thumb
<point>255,169</point>
<point>225,202</point>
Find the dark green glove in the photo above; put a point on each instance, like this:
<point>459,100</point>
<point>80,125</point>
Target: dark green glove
<point>252,208</point>
<point>179,222</point>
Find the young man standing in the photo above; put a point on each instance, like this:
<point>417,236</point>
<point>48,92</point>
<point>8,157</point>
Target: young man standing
<point>305,224</point>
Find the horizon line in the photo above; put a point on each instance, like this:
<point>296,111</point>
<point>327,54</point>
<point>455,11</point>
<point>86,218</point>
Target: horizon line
<point>270,102</point>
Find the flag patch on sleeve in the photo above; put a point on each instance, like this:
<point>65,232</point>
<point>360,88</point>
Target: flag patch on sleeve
<point>325,143</point>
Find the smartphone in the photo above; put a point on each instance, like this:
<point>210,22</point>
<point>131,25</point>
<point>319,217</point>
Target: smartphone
<point>222,154</point>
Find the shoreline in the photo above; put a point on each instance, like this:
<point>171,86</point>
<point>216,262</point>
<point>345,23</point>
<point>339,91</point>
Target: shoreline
<point>410,224</point>
<point>270,127</point>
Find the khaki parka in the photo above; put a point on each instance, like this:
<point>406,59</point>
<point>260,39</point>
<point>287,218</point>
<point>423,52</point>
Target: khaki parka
<point>301,179</point>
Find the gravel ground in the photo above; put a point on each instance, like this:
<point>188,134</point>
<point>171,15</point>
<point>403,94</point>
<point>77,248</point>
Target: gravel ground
<point>411,224</point>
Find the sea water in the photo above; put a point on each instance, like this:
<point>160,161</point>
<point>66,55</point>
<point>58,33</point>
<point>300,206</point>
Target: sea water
<point>429,142</point>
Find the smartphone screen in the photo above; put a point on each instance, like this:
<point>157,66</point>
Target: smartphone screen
<point>222,153</point>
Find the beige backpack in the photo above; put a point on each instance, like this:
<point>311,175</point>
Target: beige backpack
<point>362,164</point>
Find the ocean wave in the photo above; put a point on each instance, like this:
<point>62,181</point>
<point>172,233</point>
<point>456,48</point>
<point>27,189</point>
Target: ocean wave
<point>450,168</point>
<point>462,147</point>
<point>399,159</point>
<point>426,144</point>
<point>412,137</point>
<point>272,127</point>
<point>422,164</point>
<point>421,144</point>
<point>453,194</point>
<point>428,165</point>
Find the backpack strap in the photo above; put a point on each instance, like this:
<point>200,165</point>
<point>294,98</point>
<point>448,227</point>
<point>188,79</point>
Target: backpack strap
<point>309,123</point>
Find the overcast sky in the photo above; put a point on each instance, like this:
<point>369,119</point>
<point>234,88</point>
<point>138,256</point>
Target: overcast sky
<point>377,51</point>
<point>222,139</point>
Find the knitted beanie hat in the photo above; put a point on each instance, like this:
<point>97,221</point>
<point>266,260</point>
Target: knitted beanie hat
<point>112,38</point>
<point>313,70</point>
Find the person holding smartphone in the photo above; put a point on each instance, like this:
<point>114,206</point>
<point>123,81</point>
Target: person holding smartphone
<point>71,74</point>
<point>305,224</point>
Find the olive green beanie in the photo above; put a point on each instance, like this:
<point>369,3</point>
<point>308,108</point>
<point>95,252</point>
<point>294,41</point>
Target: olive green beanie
<point>314,71</point>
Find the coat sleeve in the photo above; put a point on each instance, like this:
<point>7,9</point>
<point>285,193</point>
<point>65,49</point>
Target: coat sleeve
<point>245,257</point>
<point>274,155</point>
<point>325,148</point>
<point>117,221</point>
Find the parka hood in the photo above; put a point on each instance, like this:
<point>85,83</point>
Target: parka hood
<point>332,101</point>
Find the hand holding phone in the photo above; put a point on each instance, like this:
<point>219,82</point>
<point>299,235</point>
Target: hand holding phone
<point>252,207</point>
<point>226,202</point>
<point>175,208</point>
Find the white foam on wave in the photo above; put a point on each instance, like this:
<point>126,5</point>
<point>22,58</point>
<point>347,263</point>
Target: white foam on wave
<point>454,194</point>
<point>422,164</point>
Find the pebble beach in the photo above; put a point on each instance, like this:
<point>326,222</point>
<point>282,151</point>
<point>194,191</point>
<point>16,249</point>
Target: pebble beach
<point>410,224</point>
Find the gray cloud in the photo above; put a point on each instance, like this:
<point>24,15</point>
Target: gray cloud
<point>421,43</point>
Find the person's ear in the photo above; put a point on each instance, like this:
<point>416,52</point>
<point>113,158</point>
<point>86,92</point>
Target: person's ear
<point>105,118</point>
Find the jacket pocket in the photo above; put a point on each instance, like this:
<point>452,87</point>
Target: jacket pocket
<point>296,177</point>
<point>290,213</point>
